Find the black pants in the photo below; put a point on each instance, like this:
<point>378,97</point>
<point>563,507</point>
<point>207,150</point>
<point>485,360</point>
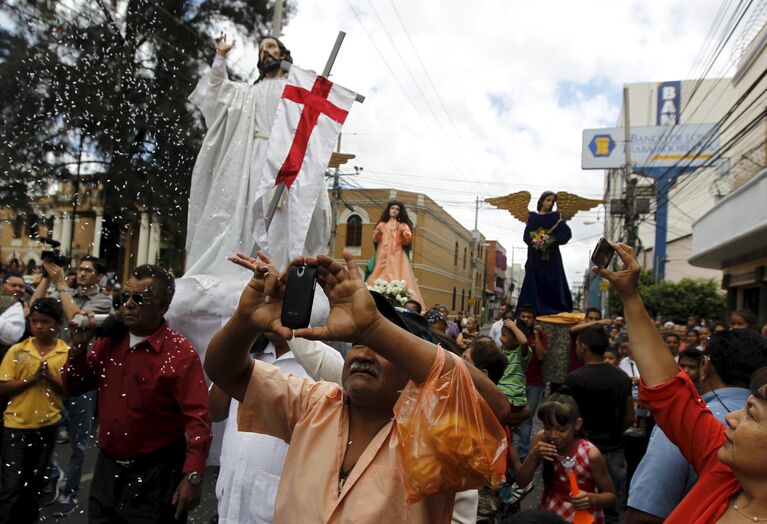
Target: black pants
<point>636,447</point>
<point>22,475</point>
<point>140,491</point>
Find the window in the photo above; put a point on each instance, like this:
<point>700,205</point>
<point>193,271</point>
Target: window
<point>463,299</point>
<point>455,255</point>
<point>464,258</point>
<point>452,308</point>
<point>354,231</point>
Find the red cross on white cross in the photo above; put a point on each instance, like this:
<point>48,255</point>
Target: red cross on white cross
<point>315,103</point>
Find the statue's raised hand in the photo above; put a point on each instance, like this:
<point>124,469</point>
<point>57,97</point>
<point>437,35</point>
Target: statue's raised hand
<point>222,46</point>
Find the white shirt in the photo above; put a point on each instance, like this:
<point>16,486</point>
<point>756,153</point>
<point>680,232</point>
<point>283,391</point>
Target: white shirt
<point>320,361</point>
<point>251,463</point>
<point>12,324</point>
<point>629,367</point>
<point>495,331</point>
<point>135,339</point>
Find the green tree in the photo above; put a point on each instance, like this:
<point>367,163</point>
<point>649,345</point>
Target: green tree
<point>675,301</point>
<point>101,91</point>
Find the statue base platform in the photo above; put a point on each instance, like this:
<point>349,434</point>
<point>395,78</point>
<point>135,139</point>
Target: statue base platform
<point>557,328</point>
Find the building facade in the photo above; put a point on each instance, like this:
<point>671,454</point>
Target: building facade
<point>80,229</point>
<point>448,260</point>
<point>732,236</point>
<point>496,279</point>
<point>694,193</point>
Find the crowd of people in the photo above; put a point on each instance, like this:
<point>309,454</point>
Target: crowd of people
<point>655,422</point>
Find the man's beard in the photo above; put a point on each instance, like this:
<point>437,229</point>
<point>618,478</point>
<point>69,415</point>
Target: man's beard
<point>268,65</point>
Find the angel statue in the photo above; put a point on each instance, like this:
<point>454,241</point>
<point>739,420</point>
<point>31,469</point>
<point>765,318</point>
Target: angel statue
<point>545,285</point>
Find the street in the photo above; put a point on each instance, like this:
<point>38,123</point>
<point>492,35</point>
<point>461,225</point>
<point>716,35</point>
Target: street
<point>201,515</point>
<point>207,508</point>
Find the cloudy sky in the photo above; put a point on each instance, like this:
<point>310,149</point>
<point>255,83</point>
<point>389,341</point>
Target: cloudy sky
<point>484,98</point>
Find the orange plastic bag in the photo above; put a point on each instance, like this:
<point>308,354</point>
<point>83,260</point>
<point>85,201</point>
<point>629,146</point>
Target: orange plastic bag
<point>447,437</point>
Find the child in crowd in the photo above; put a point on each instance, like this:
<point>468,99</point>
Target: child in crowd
<point>513,383</point>
<point>30,376</point>
<point>485,355</point>
<point>562,451</point>
<point>691,361</point>
<point>611,356</point>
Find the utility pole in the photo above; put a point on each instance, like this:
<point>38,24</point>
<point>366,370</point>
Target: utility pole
<point>475,269</point>
<point>476,213</point>
<point>334,203</point>
<point>630,183</point>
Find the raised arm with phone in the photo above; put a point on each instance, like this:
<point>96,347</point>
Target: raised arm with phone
<point>730,460</point>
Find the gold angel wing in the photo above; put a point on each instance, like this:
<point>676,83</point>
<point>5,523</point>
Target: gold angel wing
<point>569,204</point>
<point>515,203</point>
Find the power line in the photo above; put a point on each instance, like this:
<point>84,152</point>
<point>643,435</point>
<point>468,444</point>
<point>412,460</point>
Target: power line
<point>402,88</point>
<point>425,70</point>
<point>717,51</point>
<point>718,128</point>
<point>723,149</point>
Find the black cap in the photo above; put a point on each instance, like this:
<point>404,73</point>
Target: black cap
<point>404,318</point>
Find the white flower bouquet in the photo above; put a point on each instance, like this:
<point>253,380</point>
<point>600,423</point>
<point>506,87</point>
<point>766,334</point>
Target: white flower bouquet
<point>395,291</point>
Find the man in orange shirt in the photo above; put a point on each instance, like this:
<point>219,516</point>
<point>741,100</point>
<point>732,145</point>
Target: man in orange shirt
<point>340,466</point>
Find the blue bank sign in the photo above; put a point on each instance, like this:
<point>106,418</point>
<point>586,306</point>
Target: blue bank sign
<point>669,103</point>
<point>689,145</point>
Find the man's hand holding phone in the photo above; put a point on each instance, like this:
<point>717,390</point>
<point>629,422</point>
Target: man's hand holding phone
<point>626,280</point>
<point>261,300</point>
<point>353,312</point>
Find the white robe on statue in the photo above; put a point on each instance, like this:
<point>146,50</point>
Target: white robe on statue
<point>222,214</point>
<point>239,117</point>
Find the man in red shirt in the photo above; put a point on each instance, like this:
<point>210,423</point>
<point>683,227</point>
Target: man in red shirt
<point>153,408</point>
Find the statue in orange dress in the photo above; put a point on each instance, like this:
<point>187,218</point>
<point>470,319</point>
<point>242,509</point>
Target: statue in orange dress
<point>392,237</point>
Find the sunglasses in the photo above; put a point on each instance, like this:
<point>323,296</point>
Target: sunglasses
<point>137,298</point>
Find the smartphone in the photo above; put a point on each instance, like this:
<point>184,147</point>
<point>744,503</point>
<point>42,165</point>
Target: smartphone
<point>602,254</point>
<point>299,296</point>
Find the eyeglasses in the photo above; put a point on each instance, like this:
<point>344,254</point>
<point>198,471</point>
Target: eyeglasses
<point>137,298</point>
<point>85,270</point>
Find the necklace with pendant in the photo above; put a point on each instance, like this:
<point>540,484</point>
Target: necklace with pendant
<point>749,517</point>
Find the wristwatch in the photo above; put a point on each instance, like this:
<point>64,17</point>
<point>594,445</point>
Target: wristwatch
<point>194,478</point>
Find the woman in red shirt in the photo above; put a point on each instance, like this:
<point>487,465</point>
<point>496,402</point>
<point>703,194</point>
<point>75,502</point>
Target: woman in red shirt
<point>730,461</point>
